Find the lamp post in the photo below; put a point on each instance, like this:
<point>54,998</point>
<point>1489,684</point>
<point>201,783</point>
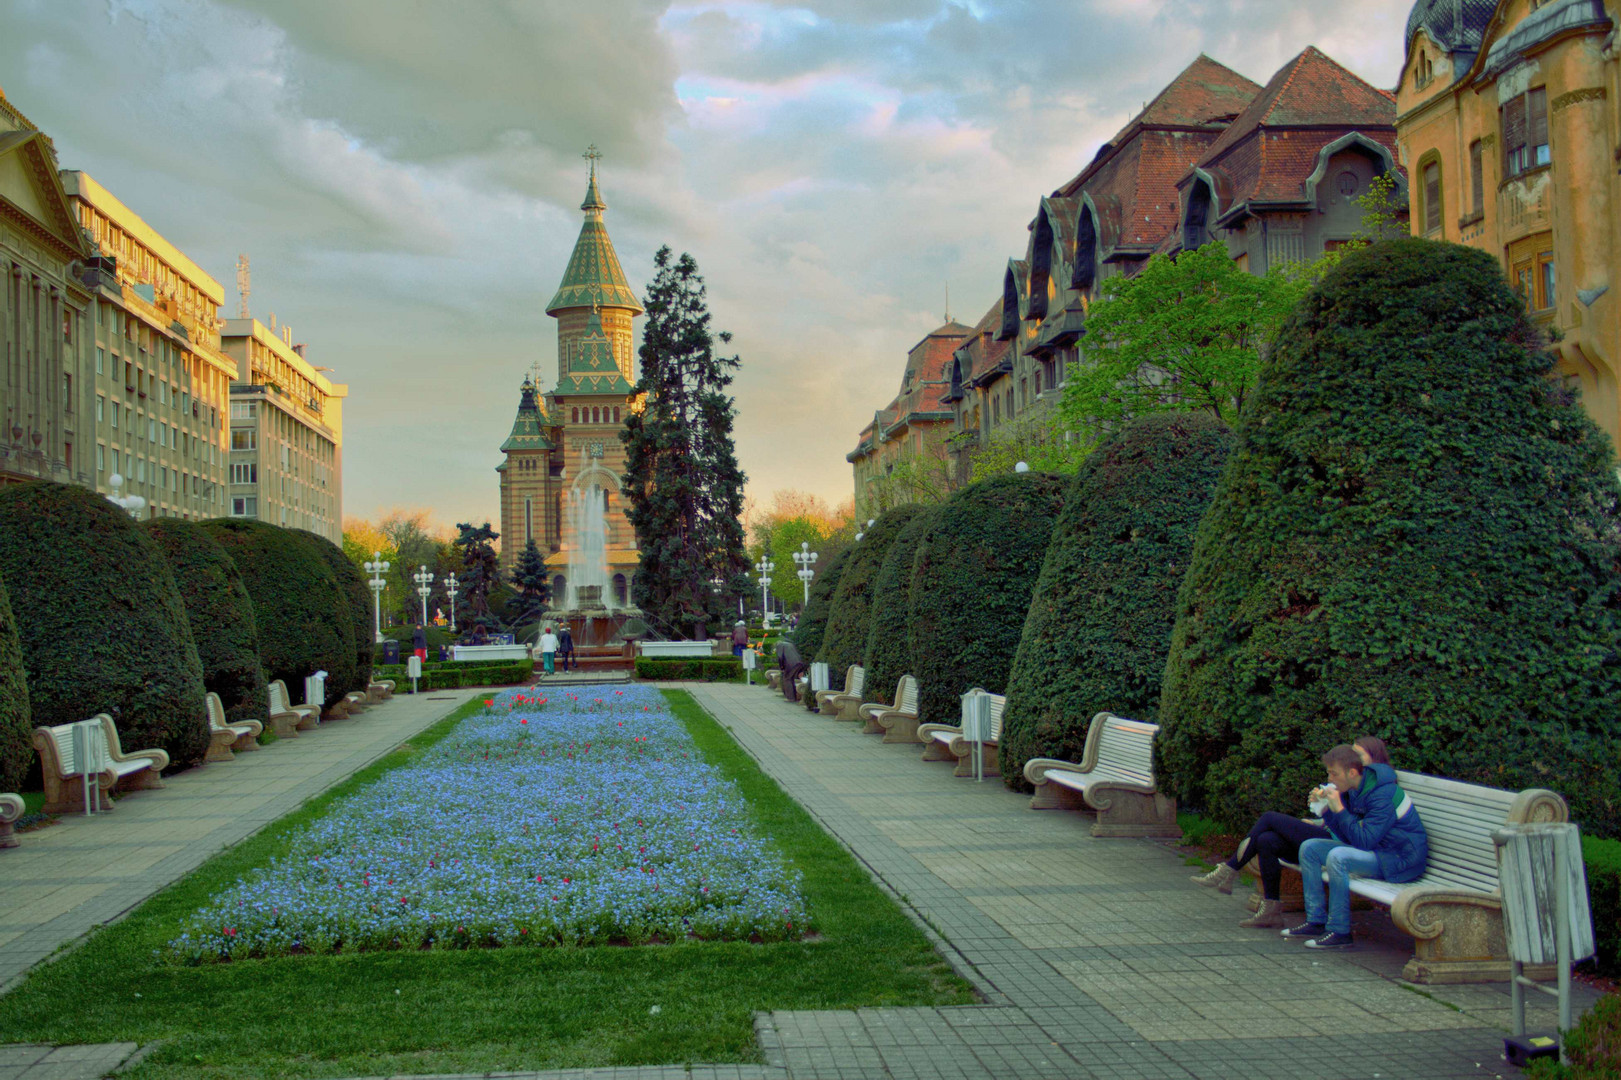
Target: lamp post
<point>424,582</point>
<point>452,588</point>
<point>377,567</point>
<point>133,505</point>
<point>764,568</point>
<point>806,558</point>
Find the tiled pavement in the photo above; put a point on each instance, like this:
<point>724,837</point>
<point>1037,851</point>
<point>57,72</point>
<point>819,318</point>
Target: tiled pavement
<point>66,879</point>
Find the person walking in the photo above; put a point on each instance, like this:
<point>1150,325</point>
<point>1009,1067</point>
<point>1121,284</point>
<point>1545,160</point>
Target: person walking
<point>740,637</point>
<point>565,648</point>
<point>548,648</point>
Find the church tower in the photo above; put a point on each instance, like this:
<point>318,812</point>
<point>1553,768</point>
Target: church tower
<point>528,490</point>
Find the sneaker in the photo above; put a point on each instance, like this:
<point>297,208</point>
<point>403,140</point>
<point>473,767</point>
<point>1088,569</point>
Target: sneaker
<point>1331,941</point>
<point>1305,930</point>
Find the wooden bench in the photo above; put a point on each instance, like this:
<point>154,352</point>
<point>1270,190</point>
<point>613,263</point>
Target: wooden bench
<point>1454,913</point>
<point>944,742</point>
<point>1115,778</point>
<point>289,719</point>
<point>226,737</point>
<point>11,808</point>
<point>63,773</point>
<point>843,704</point>
<point>898,722</point>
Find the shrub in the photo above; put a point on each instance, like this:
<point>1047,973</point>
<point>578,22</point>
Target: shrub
<point>971,586</point>
<point>1603,859</point>
<point>1099,625</point>
<point>16,727</point>
<point>718,669</point>
<point>303,619</point>
<point>1416,537</point>
<point>1593,1046</point>
<point>845,641</point>
<point>103,628</point>
<point>888,656</point>
<point>455,674</point>
<point>808,635</point>
<point>357,602</point>
<point>220,613</point>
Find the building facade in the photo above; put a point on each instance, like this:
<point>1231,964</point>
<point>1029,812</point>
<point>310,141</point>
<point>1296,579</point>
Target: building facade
<point>563,460</point>
<point>286,432</point>
<point>1509,122</point>
<point>159,415</point>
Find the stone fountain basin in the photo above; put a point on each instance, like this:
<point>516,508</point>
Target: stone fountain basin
<point>489,652</point>
<point>673,649</point>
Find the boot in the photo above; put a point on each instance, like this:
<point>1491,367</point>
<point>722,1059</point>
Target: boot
<point>1269,915</point>
<point>1221,878</point>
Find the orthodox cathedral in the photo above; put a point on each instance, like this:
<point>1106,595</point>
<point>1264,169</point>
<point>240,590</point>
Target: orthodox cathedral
<point>564,453</point>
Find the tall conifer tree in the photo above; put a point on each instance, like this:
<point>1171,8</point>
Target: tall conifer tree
<point>534,587</point>
<point>682,479</point>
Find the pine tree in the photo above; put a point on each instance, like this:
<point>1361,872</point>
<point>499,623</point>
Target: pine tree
<point>533,584</point>
<point>682,480</point>
<point>482,572</point>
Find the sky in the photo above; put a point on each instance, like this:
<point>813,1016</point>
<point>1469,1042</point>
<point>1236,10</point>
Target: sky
<point>405,178</point>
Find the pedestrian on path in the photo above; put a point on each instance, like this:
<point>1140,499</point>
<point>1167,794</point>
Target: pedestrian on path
<point>565,648</point>
<point>548,648</point>
<point>740,637</point>
<point>792,667</point>
<point>419,643</point>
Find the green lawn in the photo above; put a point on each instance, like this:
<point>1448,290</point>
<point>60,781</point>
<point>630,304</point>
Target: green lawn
<point>483,1009</point>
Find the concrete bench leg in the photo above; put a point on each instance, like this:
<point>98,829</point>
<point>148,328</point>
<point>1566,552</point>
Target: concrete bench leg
<point>1457,938</point>
<point>871,726</point>
<point>285,725</point>
<point>1057,797</point>
<point>965,763</point>
<point>245,743</point>
<point>67,796</point>
<point>935,750</point>
<point>1131,813</point>
<point>145,780</point>
<point>219,746</point>
<point>900,729</point>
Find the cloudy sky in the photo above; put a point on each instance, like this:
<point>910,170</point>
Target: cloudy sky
<point>405,176</point>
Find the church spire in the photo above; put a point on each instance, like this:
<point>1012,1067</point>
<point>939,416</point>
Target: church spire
<point>594,274</point>
<point>593,197</point>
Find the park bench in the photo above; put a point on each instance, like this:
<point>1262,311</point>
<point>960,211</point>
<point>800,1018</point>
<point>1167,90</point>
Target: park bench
<point>773,679</point>
<point>225,737</point>
<point>11,808</point>
<point>1454,913</point>
<point>844,703</point>
<point>899,721</point>
<point>64,773</point>
<point>945,742</point>
<point>1115,778</point>
<point>380,690</point>
<point>287,718</point>
<point>356,701</point>
<point>905,698</point>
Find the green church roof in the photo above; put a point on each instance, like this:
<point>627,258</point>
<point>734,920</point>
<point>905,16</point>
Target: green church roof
<point>594,370</point>
<point>527,429</point>
<point>594,274</point>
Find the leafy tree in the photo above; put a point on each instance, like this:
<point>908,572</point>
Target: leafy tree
<point>533,583</point>
<point>16,728</point>
<point>682,480</point>
<point>1043,443</point>
<point>1418,537</point>
<point>926,477</point>
<point>480,572</point>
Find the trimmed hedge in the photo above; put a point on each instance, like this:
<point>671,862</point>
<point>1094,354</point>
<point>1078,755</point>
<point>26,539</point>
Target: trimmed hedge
<point>888,656</point>
<point>1099,625</point>
<point>807,636</point>
<point>16,728</point>
<point>104,629</point>
<point>971,586</point>
<point>220,613</point>
<point>303,618</point>
<point>717,669</point>
<point>1415,538</point>
<point>358,601</point>
<point>1603,859</point>
<point>451,676</point>
<point>1593,1046</point>
<point>845,640</point>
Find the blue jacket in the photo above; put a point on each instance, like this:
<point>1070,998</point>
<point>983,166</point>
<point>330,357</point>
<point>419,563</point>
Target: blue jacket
<point>1379,817</point>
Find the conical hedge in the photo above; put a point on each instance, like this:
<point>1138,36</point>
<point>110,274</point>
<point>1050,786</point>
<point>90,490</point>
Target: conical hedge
<point>845,640</point>
<point>17,758</point>
<point>971,586</point>
<point>812,628</point>
<point>302,617</point>
<point>358,601</point>
<point>220,613</point>
<point>888,656</point>
<point>1416,537</point>
<point>1099,625</point>
<point>102,626</point>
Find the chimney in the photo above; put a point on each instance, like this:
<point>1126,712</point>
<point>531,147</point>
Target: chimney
<point>299,349</point>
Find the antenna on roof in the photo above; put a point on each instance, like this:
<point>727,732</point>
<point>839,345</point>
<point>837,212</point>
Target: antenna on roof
<point>948,300</point>
<point>244,284</point>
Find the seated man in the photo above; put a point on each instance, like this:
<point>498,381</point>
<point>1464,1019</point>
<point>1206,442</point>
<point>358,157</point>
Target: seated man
<point>1377,833</point>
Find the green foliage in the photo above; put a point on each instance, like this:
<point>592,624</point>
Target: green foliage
<point>1099,625</point>
<point>716,669</point>
<point>786,536</point>
<point>888,656</point>
<point>103,628</point>
<point>1044,443</point>
<point>1593,1046</point>
<point>971,586</point>
<point>807,636</point>
<point>16,726</point>
<point>533,582</point>
<point>303,619</point>
<point>357,604</point>
<point>481,572</point>
<point>844,642</point>
<point>1416,537</point>
<point>1603,859</point>
<point>220,614</point>
<point>453,674</point>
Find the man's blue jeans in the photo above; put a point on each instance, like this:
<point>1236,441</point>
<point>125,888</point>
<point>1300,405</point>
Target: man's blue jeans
<point>1341,860</point>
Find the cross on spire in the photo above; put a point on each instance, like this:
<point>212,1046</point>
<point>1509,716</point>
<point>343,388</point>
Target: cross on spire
<point>593,155</point>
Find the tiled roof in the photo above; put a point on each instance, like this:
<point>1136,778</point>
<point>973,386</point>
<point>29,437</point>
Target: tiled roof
<point>593,369</point>
<point>1454,25</point>
<point>1206,92</point>
<point>528,429</point>
<point>593,274</point>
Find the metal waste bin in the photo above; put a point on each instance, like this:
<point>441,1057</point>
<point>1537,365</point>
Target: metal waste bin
<point>391,651</point>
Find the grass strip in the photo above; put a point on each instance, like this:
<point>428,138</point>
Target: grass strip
<point>480,1010</point>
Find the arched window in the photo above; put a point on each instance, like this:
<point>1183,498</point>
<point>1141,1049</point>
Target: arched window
<point>596,415</point>
<point>1429,171</point>
<point>620,590</point>
<point>1195,226</point>
<point>616,414</point>
<point>576,415</point>
<point>1086,251</point>
<point>560,591</point>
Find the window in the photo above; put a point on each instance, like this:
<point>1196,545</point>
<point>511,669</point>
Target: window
<point>245,472</point>
<point>244,439</point>
<point>101,361</point>
<point>1525,132</point>
<point>1477,181</point>
<point>244,410</point>
<point>101,458</point>
<point>151,430</point>
<point>244,506</point>
<point>1432,196</point>
<point>616,414</point>
<point>1423,70</point>
<point>574,415</point>
<point>1531,268</point>
<point>101,409</point>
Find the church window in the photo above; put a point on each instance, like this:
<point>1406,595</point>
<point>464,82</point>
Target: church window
<point>616,414</point>
<point>576,415</point>
<point>528,519</point>
<point>1477,180</point>
<point>1525,132</point>
<point>1431,174</point>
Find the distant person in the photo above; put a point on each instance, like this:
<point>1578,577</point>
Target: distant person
<point>740,637</point>
<point>548,649</point>
<point>419,643</point>
<point>565,648</point>
<point>792,666</point>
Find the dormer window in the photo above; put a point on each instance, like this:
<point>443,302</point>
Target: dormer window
<point>1423,71</point>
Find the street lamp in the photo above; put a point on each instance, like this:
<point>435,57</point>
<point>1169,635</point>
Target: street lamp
<point>764,568</point>
<point>806,558</point>
<point>133,505</point>
<point>452,588</point>
<point>377,567</point>
<point>424,582</point>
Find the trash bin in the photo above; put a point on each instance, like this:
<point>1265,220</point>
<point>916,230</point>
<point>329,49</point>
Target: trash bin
<point>391,651</point>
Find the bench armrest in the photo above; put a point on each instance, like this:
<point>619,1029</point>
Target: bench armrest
<point>159,759</point>
<point>11,808</point>
<point>1036,769</point>
<point>1421,910</point>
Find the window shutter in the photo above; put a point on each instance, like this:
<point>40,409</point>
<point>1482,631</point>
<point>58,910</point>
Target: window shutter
<point>1432,196</point>
<point>1513,135</point>
<point>1537,120</point>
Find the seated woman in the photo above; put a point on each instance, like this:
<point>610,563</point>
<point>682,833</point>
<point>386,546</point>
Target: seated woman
<point>1277,837</point>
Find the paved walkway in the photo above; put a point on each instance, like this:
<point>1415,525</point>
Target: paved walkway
<point>66,879</point>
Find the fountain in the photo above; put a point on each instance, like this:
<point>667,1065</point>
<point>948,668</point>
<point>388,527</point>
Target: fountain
<point>590,610</point>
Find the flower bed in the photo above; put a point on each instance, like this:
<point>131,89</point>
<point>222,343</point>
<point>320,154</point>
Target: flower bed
<point>585,819</point>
